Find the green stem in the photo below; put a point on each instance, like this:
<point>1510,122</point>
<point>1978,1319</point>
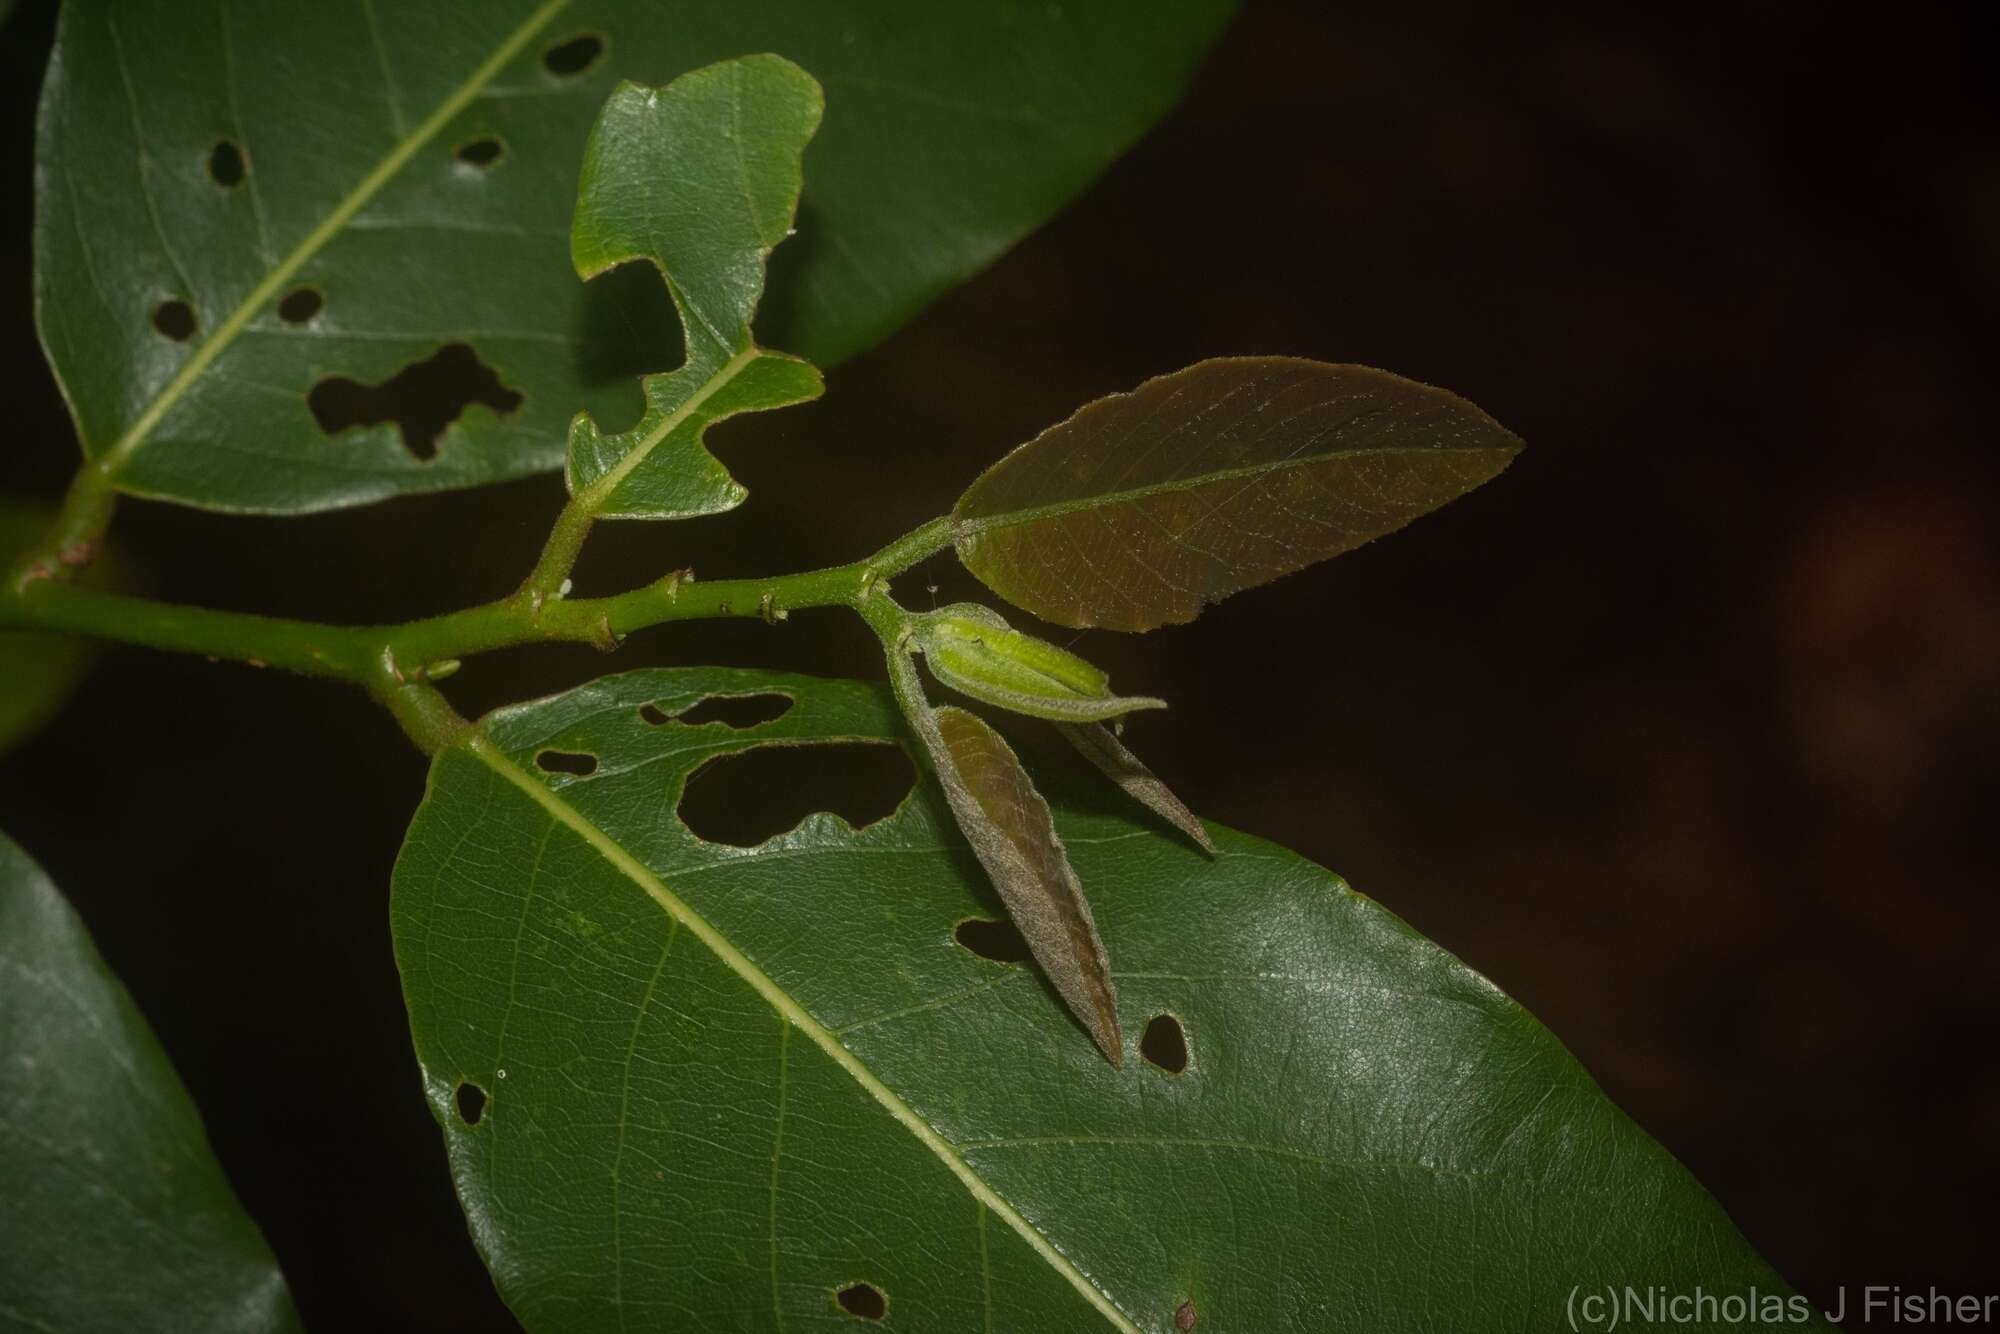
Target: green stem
<point>559,553</point>
<point>391,661</point>
<point>78,531</point>
<point>573,525</point>
<point>916,545</point>
<point>891,624</point>
<point>426,716</point>
<point>331,652</point>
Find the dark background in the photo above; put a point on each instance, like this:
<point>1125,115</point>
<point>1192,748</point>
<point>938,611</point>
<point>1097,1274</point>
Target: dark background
<point>1683,731</point>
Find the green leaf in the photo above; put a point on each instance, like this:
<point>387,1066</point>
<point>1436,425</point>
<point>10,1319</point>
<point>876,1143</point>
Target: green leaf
<point>115,1213</point>
<point>40,671</point>
<point>415,166</point>
<point>1144,507</point>
<point>723,1085</point>
<point>701,178</point>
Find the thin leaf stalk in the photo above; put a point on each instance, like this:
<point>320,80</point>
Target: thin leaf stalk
<point>77,533</point>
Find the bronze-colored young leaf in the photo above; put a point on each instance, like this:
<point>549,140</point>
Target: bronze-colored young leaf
<point>1144,507</point>
<point>1127,770</point>
<point>1009,827</point>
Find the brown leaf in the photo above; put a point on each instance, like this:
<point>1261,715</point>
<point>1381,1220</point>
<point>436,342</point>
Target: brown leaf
<point>1011,831</point>
<point>1144,507</point>
<point>1127,770</point>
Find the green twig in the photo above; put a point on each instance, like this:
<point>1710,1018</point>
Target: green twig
<point>76,535</point>
<point>544,583</point>
<point>391,661</point>
<point>427,718</point>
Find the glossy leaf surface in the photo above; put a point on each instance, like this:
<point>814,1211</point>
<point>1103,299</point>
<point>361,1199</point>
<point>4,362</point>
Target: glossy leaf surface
<point>241,209</point>
<point>722,1085</point>
<point>114,1212</point>
<point>1145,507</point>
<point>701,178</point>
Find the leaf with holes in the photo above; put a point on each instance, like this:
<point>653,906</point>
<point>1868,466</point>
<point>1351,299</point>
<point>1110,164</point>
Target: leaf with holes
<point>1144,507</point>
<point>758,1088</point>
<point>115,1213</point>
<point>290,257</point>
<point>700,178</point>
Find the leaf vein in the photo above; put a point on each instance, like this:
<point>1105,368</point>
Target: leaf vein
<point>789,1008</point>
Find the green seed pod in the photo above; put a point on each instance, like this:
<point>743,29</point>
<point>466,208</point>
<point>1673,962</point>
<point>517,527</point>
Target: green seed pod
<point>970,649</point>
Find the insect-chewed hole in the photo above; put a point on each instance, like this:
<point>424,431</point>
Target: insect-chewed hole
<point>737,711</point>
<point>300,304</point>
<point>1164,1044</point>
<point>573,57</point>
<point>471,1102</point>
<point>225,165</point>
<point>742,799</point>
<point>1001,942</point>
<point>422,399</point>
<point>174,319</point>
<point>565,762</point>
<point>481,153</point>
<point>864,1300</point>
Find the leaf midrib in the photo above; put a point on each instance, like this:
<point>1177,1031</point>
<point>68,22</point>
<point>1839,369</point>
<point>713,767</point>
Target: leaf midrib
<point>796,1015</point>
<point>136,435</point>
<point>598,494</point>
<point>977,524</point>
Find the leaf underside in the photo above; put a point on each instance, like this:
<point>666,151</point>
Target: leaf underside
<point>415,165</point>
<point>1096,743</point>
<point>1010,829</point>
<point>724,1084</point>
<point>113,1210</point>
<point>1145,507</point>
